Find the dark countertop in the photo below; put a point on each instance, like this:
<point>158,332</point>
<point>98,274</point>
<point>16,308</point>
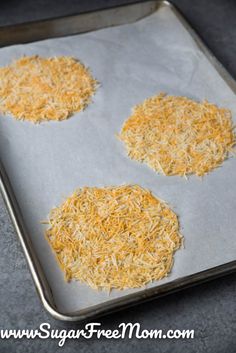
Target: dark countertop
<point>209,309</point>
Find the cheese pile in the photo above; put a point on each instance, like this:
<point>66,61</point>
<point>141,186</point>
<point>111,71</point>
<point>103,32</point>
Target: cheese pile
<point>178,136</point>
<point>38,89</point>
<point>114,237</point>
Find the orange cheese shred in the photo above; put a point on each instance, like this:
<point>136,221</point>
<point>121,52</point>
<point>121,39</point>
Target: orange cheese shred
<point>178,136</point>
<point>114,237</point>
<point>39,89</point>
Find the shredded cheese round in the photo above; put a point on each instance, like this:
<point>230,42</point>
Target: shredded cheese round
<point>40,89</point>
<point>114,237</point>
<point>178,136</point>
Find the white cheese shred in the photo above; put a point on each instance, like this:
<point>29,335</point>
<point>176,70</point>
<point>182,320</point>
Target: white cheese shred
<point>40,89</point>
<point>178,136</point>
<point>114,237</point>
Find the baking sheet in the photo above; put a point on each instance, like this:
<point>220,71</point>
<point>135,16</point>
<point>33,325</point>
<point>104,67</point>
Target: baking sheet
<point>46,163</point>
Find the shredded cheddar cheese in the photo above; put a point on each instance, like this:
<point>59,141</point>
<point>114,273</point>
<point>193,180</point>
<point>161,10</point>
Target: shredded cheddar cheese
<point>114,237</point>
<point>178,136</point>
<point>38,89</point>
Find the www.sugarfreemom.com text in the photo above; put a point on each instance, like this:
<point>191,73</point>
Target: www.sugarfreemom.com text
<point>94,330</point>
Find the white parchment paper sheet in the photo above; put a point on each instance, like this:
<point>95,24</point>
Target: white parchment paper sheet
<point>48,162</point>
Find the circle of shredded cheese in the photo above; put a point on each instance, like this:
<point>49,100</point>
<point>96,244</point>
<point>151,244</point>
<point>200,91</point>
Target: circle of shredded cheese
<point>114,237</point>
<point>178,136</point>
<point>39,89</point>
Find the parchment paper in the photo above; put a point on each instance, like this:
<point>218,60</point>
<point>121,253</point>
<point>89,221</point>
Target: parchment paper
<point>48,162</point>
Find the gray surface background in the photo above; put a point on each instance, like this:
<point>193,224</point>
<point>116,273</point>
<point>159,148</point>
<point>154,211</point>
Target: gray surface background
<point>209,309</point>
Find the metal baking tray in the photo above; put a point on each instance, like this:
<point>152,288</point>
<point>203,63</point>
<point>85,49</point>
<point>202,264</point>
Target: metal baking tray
<point>148,48</point>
